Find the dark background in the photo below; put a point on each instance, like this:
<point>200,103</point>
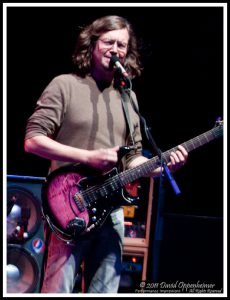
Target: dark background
<point>180,95</point>
<point>180,91</point>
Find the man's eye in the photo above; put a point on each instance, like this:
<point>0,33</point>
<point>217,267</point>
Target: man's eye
<point>122,46</point>
<point>108,43</point>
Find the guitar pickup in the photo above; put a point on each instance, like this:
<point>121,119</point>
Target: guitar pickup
<point>79,200</point>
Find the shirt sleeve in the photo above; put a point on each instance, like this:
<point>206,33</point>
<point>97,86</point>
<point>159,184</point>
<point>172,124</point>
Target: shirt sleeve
<point>49,111</point>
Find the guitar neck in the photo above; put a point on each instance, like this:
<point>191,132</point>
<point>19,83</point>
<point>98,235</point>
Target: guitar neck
<point>147,167</point>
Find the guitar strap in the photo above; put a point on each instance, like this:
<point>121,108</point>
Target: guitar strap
<point>125,100</point>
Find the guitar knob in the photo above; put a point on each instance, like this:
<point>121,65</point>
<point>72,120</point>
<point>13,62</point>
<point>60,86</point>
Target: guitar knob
<point>94,210</point>
<point>94,218</point>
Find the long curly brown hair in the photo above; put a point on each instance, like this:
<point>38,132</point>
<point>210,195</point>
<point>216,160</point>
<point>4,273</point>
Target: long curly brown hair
<point>82,56</point>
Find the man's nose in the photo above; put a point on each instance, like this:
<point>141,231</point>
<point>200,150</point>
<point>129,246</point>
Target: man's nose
<point>114,48</point>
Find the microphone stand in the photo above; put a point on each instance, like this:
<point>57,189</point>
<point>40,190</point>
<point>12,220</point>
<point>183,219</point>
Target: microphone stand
<point>157,150</point>
<point>164,166</point>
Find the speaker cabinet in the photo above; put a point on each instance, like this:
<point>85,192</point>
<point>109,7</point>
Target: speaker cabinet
<point>25,238</point>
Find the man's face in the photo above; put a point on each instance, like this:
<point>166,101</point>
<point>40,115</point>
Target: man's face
<point>108,44</point>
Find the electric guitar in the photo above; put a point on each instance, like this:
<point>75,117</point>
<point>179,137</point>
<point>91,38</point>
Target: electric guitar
<point>76,199</point>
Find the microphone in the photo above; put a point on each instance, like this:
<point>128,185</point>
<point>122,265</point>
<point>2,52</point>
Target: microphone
<point>114,62</point>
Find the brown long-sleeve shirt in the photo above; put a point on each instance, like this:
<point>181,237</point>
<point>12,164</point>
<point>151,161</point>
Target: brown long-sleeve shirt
<point>75,112</point>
